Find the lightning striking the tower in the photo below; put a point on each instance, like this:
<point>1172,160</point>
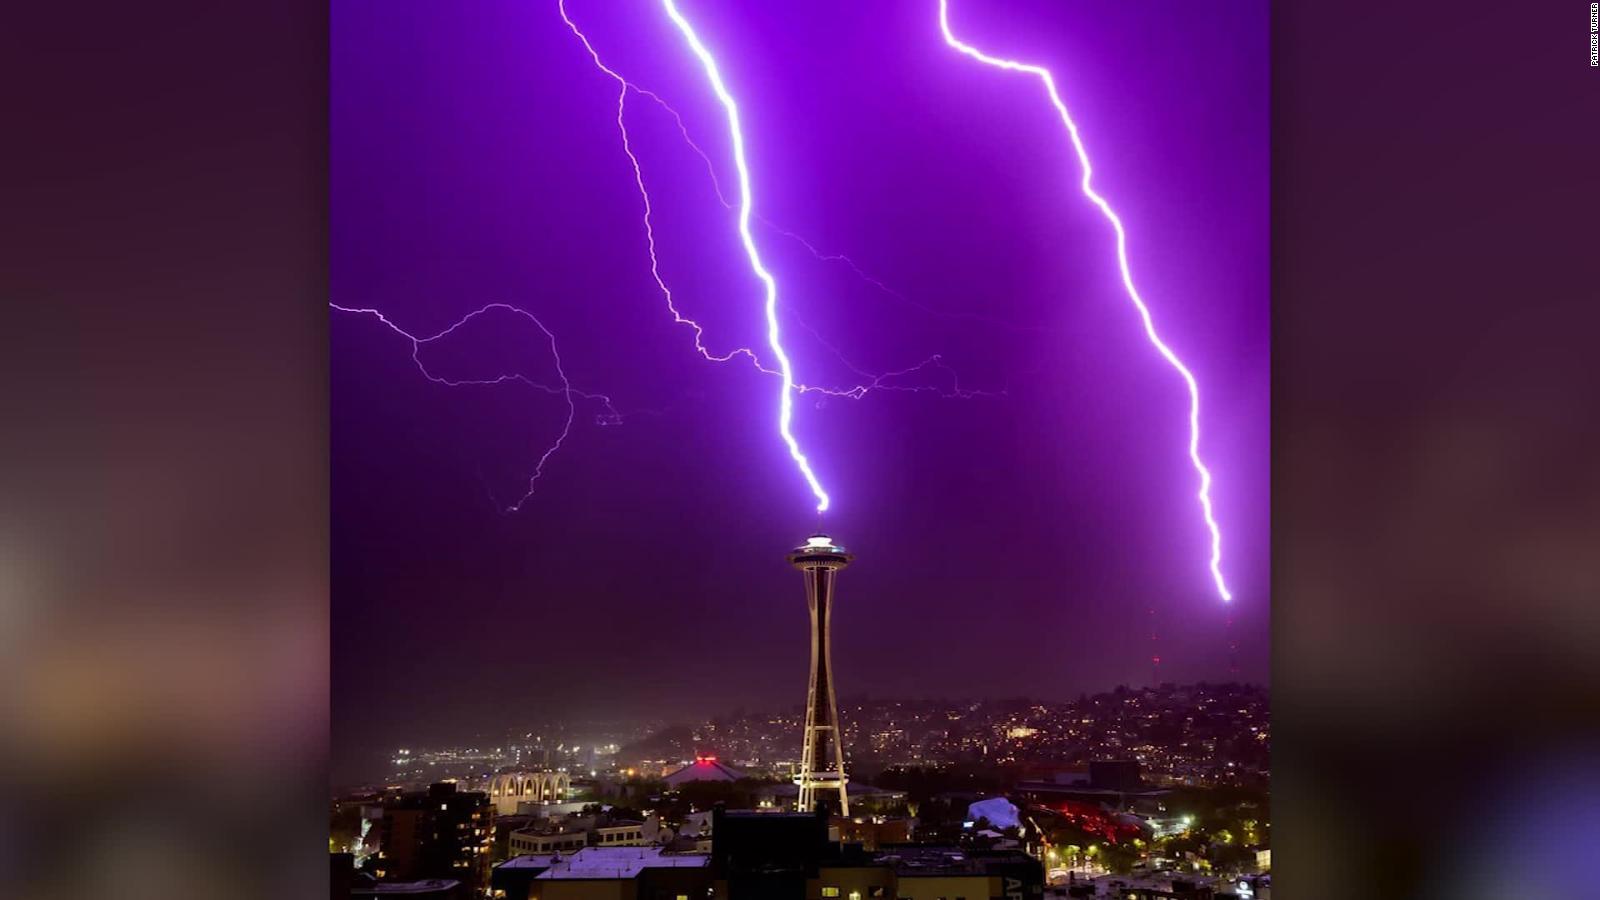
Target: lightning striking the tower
<point>784,371</point>
<point>768,280</point>
<point>1087,187</point>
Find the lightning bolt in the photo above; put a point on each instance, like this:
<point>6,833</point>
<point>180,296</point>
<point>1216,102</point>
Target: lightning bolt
<point>881,382</point>
<point>820,255</point>
<point>873,382</point>
<point>608,416</point>
<point>623,87</point>
<point>1087,187</point>
<point>881,287</point>
<point>746,204</point>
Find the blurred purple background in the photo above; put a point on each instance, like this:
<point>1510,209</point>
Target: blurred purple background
<point>164,525</point>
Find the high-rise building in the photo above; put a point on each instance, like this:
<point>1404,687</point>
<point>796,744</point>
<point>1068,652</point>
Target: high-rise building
<point>440,833</point>
<point>822,748</point>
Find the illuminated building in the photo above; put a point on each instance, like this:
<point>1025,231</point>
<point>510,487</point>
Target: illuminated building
<point>544,840</point>
<point>872,832</point>
<point>604,873</point>
<point>771,856</point>
<point>704,768</point>
<point>440,833</point>
<point>569,834</point>
<point>509,789</point>
<point>627,833</point>
<point>822,751</point>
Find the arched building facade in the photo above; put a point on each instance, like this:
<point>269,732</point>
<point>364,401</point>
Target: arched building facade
<point>508,789</point>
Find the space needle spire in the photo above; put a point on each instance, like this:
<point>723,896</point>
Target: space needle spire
<point>822,750</point>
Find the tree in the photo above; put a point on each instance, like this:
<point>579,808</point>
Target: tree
<point>1118,858</point>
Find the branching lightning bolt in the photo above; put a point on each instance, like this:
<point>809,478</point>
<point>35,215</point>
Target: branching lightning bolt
<point>608,414</point>
<point>623,87</point>
<point>855,392</point>
<point>746,204</point>
<point>855,269</point>
<point>881,382</point>
<point>1088,190</point>
<point>566,391</point>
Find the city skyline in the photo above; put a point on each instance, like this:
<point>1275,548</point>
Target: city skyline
<point>878,732</point>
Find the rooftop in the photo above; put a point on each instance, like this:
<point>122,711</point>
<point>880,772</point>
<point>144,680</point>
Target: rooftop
<point>913,861</point>
<point>929,861</point>
<point>820,545</point>
<point>704,768</point>
<point>401,888</point>
<point>619,862</point>
<point>528,861</point>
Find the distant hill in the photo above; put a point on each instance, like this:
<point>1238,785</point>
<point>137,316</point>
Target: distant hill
<point>672,741</point>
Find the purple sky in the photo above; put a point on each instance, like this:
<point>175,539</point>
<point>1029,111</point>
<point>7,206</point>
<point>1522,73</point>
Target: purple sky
<point>1006,545</point>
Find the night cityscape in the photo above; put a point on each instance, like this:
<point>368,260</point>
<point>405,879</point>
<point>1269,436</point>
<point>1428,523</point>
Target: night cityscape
<point>1191,735</point>
<point>799,451</point>
<point>1154,792</point>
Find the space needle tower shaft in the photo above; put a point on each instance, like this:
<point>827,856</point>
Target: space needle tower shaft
<point>822,750</point>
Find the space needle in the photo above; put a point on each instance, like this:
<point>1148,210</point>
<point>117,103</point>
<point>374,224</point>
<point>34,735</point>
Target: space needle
<point>822,751</point>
